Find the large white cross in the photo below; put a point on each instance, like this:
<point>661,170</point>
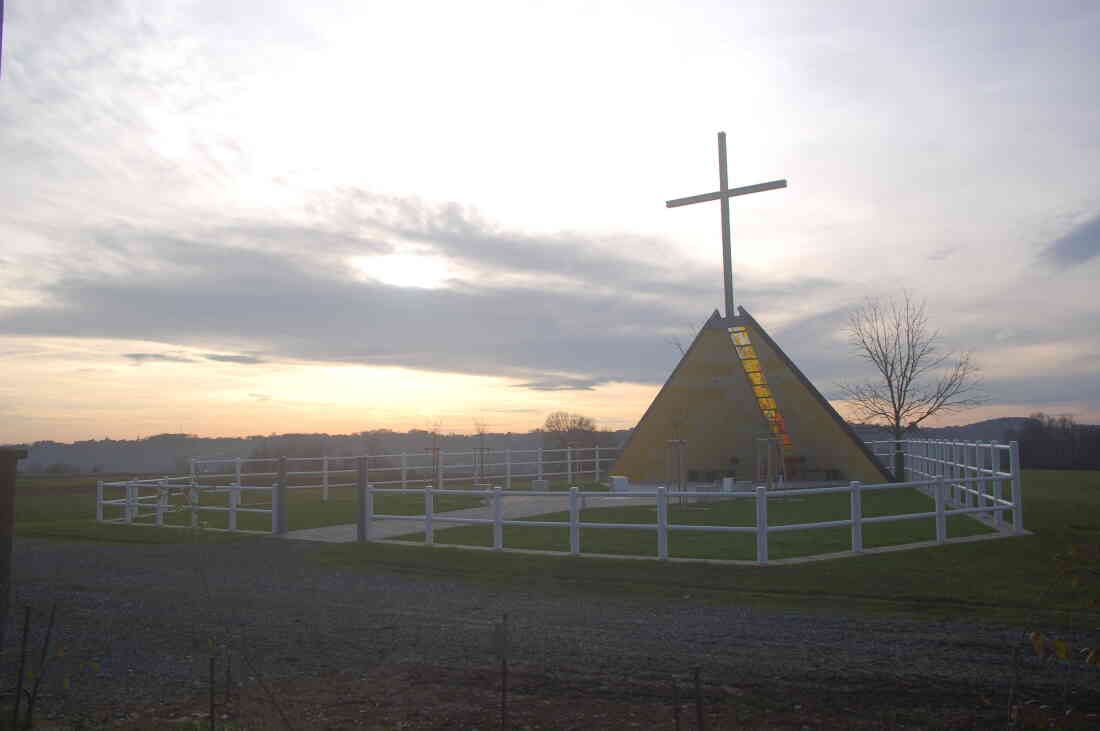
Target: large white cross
<point>723,194</point>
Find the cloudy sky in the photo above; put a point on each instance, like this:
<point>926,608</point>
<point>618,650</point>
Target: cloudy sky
<point>265,216</point>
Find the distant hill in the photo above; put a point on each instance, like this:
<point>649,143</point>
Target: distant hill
<point>171,453</point>
<point>990,429</point>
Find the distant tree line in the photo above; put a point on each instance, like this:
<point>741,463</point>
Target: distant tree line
<point>1057,443</point>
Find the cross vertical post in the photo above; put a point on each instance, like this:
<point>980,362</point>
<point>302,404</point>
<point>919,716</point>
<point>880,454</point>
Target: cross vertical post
<point>727,246</point>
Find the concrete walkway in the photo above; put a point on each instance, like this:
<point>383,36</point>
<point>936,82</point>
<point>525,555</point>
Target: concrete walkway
<point>515,505</point>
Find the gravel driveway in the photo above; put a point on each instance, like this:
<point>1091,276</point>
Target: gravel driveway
<point>147,616</point>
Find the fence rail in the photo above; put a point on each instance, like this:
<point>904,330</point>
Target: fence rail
<point>978,479</point>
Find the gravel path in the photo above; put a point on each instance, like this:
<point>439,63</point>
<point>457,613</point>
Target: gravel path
<point>147,616</point>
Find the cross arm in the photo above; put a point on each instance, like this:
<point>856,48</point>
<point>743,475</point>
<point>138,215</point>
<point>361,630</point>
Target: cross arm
<point>717,195</point>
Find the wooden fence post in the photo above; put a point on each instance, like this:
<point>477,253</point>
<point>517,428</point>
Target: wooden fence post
<point>941,510</point>
<point>569,465</point>
<point>278,504</point>
<point>508,469</point>
<point>162,504</point>
<point>662,523</point>
<point>857,517</point>
<point>324,478</point>
<point>99,501</point>
<point>429,510</point>
<point>364,500</point>
<point>404,469</point>
<point>596,468</point>
<point>762,525</point>
<point>9,464</point>
<point>498,516</point>
<point>574,519</point>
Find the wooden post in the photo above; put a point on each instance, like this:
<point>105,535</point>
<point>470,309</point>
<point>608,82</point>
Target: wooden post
<point>662,523</point>
<point>508,469</point>
<point>596,467</point>
<point>278,504</point>
<point>9,461</point>
<point>762,525</point>
<point>1017,488</point>
<point>324,478</point>
<point>857,517</point>
<point>569,465</point>
<point>574,519</point>
<point>162,504</point>
<point>540,463</point>
<point>363,514</point>
<point>429,510</point>
<point>498,516</point>
<point>941,508</point>
<point>99,501</point>
<point>404,469</point>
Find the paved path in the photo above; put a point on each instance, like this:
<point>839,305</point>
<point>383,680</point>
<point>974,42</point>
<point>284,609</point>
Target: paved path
<point>520,506</point>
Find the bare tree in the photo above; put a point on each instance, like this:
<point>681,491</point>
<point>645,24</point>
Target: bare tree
<point>916,378</point>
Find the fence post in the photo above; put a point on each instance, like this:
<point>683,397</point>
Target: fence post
<point>596,468</point>
<point>404,469</point>
<point>99,501</point>
<point>438,468</point>
<point>237,470</point>
<point>234,501</point>
<point>324,478</point>
<point>365,500</point>
<point>162,502</point>
<point>508,469</point>
<point>540,463</point>
<point>429,511</point>
<point>857,516</point>
<point>997,486</point>
<point>574,519</point>
<point>941,510</point>
<point>761,524</point>
<point>568,465</point>
<point>192,462</point>
<point>194,506</point>
<point>1017,488</point>
<point>498,516</point>
<point>662,523</point>
<point>131,495</point>
<point>278,505</point>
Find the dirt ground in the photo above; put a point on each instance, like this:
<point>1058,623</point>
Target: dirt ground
<point>418,696</point>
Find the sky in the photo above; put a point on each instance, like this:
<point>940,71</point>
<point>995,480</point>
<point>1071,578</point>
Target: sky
<point>258,217</point>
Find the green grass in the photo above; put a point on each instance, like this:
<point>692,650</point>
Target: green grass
<point>735,512</point>
<point>1009,580</point>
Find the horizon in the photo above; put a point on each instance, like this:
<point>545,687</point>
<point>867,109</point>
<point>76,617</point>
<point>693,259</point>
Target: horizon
<point>227,222</point>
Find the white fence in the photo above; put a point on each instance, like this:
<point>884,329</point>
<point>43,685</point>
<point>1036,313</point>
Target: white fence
<point>956,484</point>
<point>152,498</point>
<point>977,479</point>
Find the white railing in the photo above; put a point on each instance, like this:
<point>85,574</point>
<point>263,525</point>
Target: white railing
<point>152,498</point>
<point>975,472</point>
<point>961,478</point>
<point>402,468</point>
<point>957,486</point>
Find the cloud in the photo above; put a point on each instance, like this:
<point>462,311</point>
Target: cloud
<point>562,384</point>
<point>260,396</point>
<point>139,358</point>
<point>242,359</point>
<point>217,288</point>
<point>1076,247</point>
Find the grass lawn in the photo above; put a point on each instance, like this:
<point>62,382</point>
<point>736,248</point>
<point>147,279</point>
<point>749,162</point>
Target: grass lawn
<point>1010,580</point>
<point>735,512</point>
